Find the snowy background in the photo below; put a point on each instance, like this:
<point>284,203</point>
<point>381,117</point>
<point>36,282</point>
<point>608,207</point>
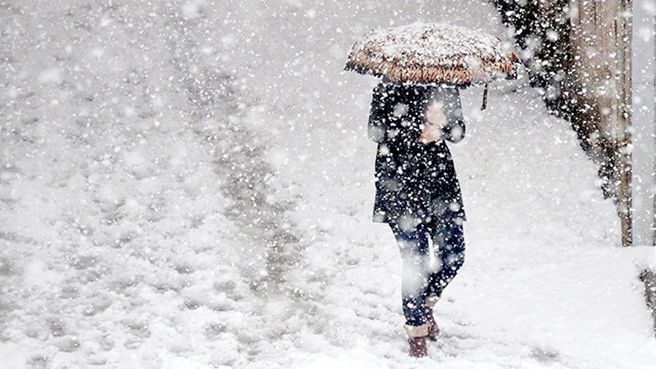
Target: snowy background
<point>189,184</point>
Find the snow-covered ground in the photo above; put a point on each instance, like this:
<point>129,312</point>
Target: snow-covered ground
<point>189,185</point>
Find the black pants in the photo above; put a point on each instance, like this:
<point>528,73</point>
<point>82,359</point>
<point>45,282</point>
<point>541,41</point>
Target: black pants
<point>421,278</point>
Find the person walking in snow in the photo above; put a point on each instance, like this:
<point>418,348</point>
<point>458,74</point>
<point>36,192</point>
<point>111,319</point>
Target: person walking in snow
<point>418,194</point>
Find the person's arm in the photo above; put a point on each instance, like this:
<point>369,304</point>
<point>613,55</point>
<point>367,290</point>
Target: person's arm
<point>444,117</point>
<point>454,130</point>
<point>378,116</point>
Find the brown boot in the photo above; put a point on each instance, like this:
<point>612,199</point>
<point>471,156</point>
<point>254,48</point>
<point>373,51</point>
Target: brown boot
<point>417,340</point>
<point>433,329</point>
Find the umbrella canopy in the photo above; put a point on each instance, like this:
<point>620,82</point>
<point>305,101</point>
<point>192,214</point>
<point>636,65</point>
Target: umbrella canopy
<point>431,53</point>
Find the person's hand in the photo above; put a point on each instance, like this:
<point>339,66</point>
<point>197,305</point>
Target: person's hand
<point>435,120</point>
<point>430,134</point>
<point>435,115</point>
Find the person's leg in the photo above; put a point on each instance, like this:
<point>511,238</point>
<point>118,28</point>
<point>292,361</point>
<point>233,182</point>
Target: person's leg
<point>429,298</point>
<point>449,244</point>
<point>413,245</point>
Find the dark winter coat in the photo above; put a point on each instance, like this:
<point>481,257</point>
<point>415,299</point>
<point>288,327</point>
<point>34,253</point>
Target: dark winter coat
<point>414,181</point>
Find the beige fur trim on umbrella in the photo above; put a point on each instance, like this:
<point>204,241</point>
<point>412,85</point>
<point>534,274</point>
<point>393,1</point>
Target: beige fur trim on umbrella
<point>432,53</point>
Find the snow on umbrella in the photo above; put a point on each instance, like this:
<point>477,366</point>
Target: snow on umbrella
<point>431,53</point>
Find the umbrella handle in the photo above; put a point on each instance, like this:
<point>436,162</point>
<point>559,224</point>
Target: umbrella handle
<point>484,106</point>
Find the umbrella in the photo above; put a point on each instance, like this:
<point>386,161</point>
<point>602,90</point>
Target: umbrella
<point>432,53</point>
